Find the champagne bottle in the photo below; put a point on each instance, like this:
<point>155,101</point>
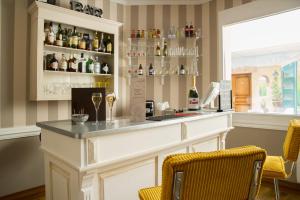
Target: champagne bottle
<point>193,97</point>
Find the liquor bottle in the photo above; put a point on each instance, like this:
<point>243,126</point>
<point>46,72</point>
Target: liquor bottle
<point>59,36</point>
<point>51,35</point>
<point>187,30</point>
<point>82,64</point>
<point>53,63</point>
<point>193,97</point>
<point>70,38</point>
<point>88,44</point>
<point>191,29</point>
<point>102,47</point>
<point>90,65</point>
<point>72,66</point>
<point>108,45</point>
<point>143,34</point>
<point>46,31</point>
<point>65,37</point>
<point>63,64</point>
<point>97,66</point>
<point>182,70</point>
<point>96,42</point>
<point>157,50</point>
<point>132,34</point>
<point>74,38</point>
<point>157,33</point>
<point>82,42</point>
<point>151,70</point>
<point>105,69</point>
<point>165,49</point>
<point>140,71</point>
<point>138,35</point>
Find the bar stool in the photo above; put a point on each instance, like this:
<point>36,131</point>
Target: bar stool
<point>220,175</point>
<point>274,166</point>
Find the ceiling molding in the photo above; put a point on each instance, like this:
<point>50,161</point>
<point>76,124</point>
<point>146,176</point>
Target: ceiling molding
<point>160,2</point>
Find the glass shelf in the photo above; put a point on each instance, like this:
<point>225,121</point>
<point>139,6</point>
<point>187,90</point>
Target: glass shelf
<point>72,50</point>
<point>162,57</point>
<point>76,73</point>
<point>163,39</point>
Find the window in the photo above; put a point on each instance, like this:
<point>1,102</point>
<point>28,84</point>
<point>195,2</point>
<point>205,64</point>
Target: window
<point>265,64</point>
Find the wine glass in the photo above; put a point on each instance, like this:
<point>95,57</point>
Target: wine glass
<point>110,99</point>
<point>96,99</point>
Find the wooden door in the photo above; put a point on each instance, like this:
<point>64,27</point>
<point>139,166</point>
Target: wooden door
<point>241,92</point>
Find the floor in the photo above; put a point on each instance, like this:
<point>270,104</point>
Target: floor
<point>266,193</point>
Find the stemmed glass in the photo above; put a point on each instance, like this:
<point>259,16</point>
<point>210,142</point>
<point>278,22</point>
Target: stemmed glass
<point>110,99</point>
<point>96,99</point>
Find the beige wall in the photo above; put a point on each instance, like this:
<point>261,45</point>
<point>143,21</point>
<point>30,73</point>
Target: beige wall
<point>21,159</point>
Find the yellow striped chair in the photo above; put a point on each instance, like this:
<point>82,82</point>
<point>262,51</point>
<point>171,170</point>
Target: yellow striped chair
<point>274,166</point>
<point>232,174</point>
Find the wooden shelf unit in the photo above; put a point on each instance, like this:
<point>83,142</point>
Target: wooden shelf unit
<point>39,78</point>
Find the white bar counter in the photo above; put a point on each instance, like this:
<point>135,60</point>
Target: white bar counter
<point>113,161</point>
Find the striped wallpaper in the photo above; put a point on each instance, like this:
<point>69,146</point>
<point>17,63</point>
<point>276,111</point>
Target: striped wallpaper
<point>15,108</point>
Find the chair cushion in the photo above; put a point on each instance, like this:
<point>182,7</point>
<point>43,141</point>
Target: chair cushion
<point>274,168</point>
<point>152,193</point>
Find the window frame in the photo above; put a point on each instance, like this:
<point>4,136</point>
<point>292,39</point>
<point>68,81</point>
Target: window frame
<point>243,13</point>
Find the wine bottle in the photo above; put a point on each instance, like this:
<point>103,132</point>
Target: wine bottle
<point>82,64</point>
<point>157,50</point>
<point>138,35</point>
<point>108,45</point>
<point>65,37</point>
<point>151,70</point>
<point>72,66</point>
<point>74,38</point>
<point>193,97</point>
<point>140,71</point>
<point>59,36</point>
<point>102,47</point>
<point>165,49</point>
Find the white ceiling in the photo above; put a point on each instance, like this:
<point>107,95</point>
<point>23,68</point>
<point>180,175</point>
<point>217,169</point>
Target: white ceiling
<point>160,2</point>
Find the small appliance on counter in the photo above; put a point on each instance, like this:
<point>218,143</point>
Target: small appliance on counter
<point>82,104</point>
<point>150,108</point>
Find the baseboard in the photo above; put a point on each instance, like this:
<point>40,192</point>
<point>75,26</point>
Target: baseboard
<point>30,194</point>
<point>284,185</point>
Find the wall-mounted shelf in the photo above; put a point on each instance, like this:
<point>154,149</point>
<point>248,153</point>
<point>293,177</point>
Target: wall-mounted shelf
<point>76,73</point>
<point>52,48</point>
<point>43,81</point>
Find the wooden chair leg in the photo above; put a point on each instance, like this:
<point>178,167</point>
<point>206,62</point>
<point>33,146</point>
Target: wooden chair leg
<point>276,187</point>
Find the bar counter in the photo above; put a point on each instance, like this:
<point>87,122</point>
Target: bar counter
<point>112,161</point>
